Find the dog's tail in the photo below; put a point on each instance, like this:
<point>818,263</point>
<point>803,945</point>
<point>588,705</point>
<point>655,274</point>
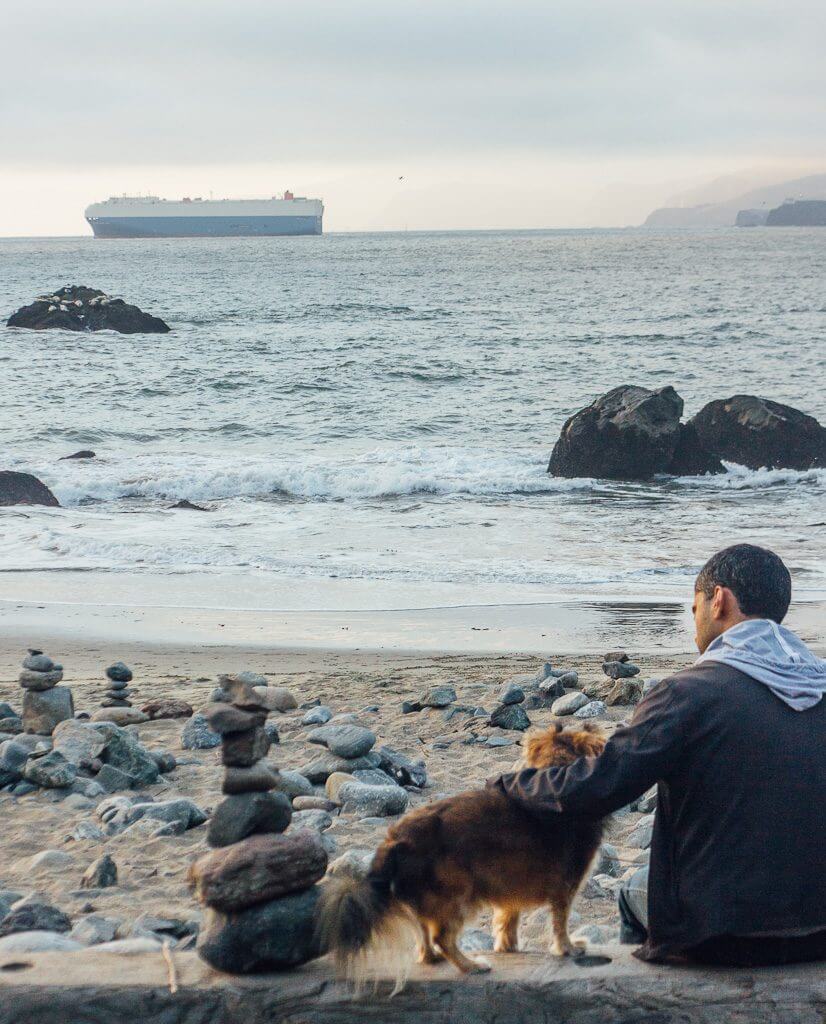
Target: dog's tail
<point>361,920</point>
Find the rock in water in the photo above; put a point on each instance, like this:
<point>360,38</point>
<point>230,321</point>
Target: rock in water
<point>84,453</point>
<point>691,457</point>
<point>270,937</point>
<point>630,433</point>
<point>78,308</point>
<point>258,869</point>
<point>24,489</point>
<point>757,432</point>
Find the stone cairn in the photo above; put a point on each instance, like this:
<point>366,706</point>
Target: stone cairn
<point>45,704</point>
<point>118,676</point>
<point>257,884</point>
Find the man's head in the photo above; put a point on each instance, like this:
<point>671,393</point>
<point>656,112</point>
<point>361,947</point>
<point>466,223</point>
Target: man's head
<point>738,583</point>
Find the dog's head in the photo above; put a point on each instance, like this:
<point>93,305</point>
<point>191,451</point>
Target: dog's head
<point>556,747</point>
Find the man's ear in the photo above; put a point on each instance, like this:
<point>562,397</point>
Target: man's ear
<point>719,602</point>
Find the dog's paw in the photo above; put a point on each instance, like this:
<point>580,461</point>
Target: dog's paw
<point>480,966</point>
<point>579,948</point>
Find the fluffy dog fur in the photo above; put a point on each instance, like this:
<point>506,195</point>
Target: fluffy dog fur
<point>445,861</point>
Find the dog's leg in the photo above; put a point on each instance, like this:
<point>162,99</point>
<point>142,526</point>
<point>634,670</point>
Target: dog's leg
<point>446,939</point>
<point>561,942</point>
<point>428,954</point>
<point>505,930</point>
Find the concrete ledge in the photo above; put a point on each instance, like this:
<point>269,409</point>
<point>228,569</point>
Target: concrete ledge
<point>90,988</point>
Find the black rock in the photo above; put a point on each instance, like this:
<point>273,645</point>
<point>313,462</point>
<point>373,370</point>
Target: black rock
<point>24,489</point>
<point>84,453</point>
<point>119,672</point>
<point>78,308</point>
<point>248,814</point>
<point>630,433</point>
<point>620,669</point>
<point>757,432</point>
<point>404,770</point>
<point>691,457</point>
<point>189,506</point>
<point>510,716</point>
<point>272,936</point>
<point>34,915</point>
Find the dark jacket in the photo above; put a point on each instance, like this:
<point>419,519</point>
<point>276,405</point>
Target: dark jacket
<point>739,842</point>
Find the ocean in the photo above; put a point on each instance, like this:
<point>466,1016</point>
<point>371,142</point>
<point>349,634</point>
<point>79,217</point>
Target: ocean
<point>369,416</point>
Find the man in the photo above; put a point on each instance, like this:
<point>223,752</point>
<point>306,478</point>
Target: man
<point>737,747</point>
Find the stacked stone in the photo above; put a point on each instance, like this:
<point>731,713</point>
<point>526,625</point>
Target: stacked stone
<point>257,884</point>
<point>45,704</point>
<point>119,677</point>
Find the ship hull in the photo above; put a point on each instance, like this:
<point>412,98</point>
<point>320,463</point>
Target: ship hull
<point>203,227</point>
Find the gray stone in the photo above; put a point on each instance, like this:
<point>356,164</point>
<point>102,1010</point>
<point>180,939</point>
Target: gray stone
<point>52,771</point>
<point>317,716</point>
<point>37,942</point>
<point>438,697</point>
<point>344,740</point>
<point>181,810</point>
<point>354,863</point>
<point>113,780</point>
<point>87,831</point>
<point>475,940</point>
<point>10,727</point>
<point>570,680</point>
<point>226,719</point>
<point>50,860</point>
<point>150,926</point>
<point>37,661</point>
<point>619,669</point>
<point>8,897</point>
<point>510,716</point>
<point>197,735</point>
<point>79,742</point>
<point>649,685</point>
<point>43,711</point>
<point>116,685</point>
<point>78,802</point>
<point>94,929</point>
<point>640,837</point>
<point>276,698</point>
<point>608,861</point>
<point>39,681</point>
<point>402,768</point>
<point>120,716</point>
<point>570,703</point>
<point>615,656</point>
<point>317,820</point>
<point>248,814</point>
<point>119,672</point>
<point>511,694</point>
<point>272,936</point>
<point>624,691</point>
<point>319,770</point>
<point>373,777</point>
<point>130,947</point>
<point>33,913</point>
<point>271,729</point>
<point>13,757</point>
<point>164,760</point>
<point>593,709</point>
<point>256,779</point>
<point>373,801</point>
<point>123,751</point>
<point>6,711</point>
<point>244,749</point>
<point>500,741</point>
<point>313,803</point>
<point>293,783</point>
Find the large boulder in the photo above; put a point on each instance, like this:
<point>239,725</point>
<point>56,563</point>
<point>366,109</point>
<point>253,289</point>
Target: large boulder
<point>757,432</point>
<point>78,308</point>
<point>24,489</point>
<point>629,433</point>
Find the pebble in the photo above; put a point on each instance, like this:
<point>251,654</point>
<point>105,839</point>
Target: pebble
<point>130,947</point>
<point>372,801</point>
<point>256,779</point>
<point>320,769</point>
<point>593,709</point>
<point>347,741</point>
<point>511,693</point>
<point>317,716</point>
<point>167,707</point>
<point>334,783</point>
<point>570,703</point>
<point>569,680</point>
<point>119,673</point>
<point>40,681</point>
<point>313,803</point>
<point>276,698</point>
<point>438,697</point>
<point>354,863</point>
<point>43,711</point>
<point>293,783</point>
<point>402,768</point>
<point>87,831</point>
<point>373,777</point>
<point>120,716</point>
<point>315,819</point>
<point>197,735</point>
<point>37,661</point>
<point>248,814</point>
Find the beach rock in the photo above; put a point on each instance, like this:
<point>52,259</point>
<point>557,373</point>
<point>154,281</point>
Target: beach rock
<point>52,771</point>
<point>186,505</point>
<point>24,489</point>
<point>37,661</point>
<point>130,947</point>
<point>258,869</point>
<point>403,769</point>
<point>49,860</point>
<point>313,803</point>
<point>6,712</point>
<point>570,703</point>
<point>197,734</point>
<point>79,308</point>
<point>624,691</point>
<point>756,432</point>
<point>244,749</point>
<point>13,756</point>
<point>152,926</point>
<point>438,697</point>
<point>10,727</point>
<point>569,680</point>
<point>248,814</point>
<point>123,751</point>
<point>344,740</point>
<point>334,783</point>
<point>40,681</point>
<point>78,742</point>
<point>34,913</point>
<point>42,711</point>
<point>120,715</point>
<point>313,818</point>
<point>94,929</point>
<point>547,692</point>
<point>165,761</point>
<point>293,783</point>
<point>226,718</point>
<point>37,942</point>
<point>691,456</point>
<point>620,669</point>
<point>167,707</point>
<point>608,861</point>
<point>8,897</point>
<point>354,863</point>
<point>372,801</point>
<point>615,656</point>
<point>372,777</point>
<point>113,780</point>
<point>271,732</point>
<point>84,453</point>
<point>511,693</point>
<point>510,716</point>
<point>119,673</point>
<point>640,837</point>
<point>321,768</point>
<point>272,936</point>
<point>475,940</point>
<point>593,709</point>
<point>630,433</point>
<point>87,831</point>
<point>256,779</point>
<point>180,810</point>
<point>317,716</point>
<point>276,698</point>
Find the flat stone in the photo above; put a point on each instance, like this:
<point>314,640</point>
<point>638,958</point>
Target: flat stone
<point>373,801</point>
<point>313,803</point>
<point>293,783</point>
<point>344,740</point>
<point>257,779</point>
<point>182,810</point>
<point>37,942</point>
<point>37,661</point>
<point>570,703</point>
<point>248,814</point>
<point>226,718</point>
<point>276,698</point>
<point>317,716</point>
<point>258,869</point>
<point>272,936</point>
<point>167,707</point>
<point>320,769</point>
<point>593,709</point>
<point>116,685</point>
<point>77,741</point>
<point>94,929</point>
<point>244,749</point>
<point>119,672</point>
<point>131,947</point>
<point>619,669</point>
<point>197,734</point>
<point>33,913</point>
<point>438,697</point>
<point>510,716</point>
<point>39,681</point>
<point>43,711</point>
<point>372,777</point>
<point>113,780</point>
<point>52,771</point>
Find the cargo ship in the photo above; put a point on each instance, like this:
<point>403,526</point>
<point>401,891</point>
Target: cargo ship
<point>152,217</point>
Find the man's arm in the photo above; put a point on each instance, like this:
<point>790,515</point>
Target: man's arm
<point>634,758</point>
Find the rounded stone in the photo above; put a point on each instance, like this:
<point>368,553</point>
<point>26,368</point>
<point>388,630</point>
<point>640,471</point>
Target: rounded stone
<point>570,703</point>
<point>119,672</point>
<point>248,814</point>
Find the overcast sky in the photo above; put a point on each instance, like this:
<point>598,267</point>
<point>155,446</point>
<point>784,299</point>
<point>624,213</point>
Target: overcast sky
<point>523,114</point>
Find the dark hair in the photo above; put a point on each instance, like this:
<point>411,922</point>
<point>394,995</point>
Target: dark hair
<point>756,576</point>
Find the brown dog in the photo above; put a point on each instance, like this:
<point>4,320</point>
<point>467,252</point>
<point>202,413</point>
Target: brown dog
<point>443,862</point>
